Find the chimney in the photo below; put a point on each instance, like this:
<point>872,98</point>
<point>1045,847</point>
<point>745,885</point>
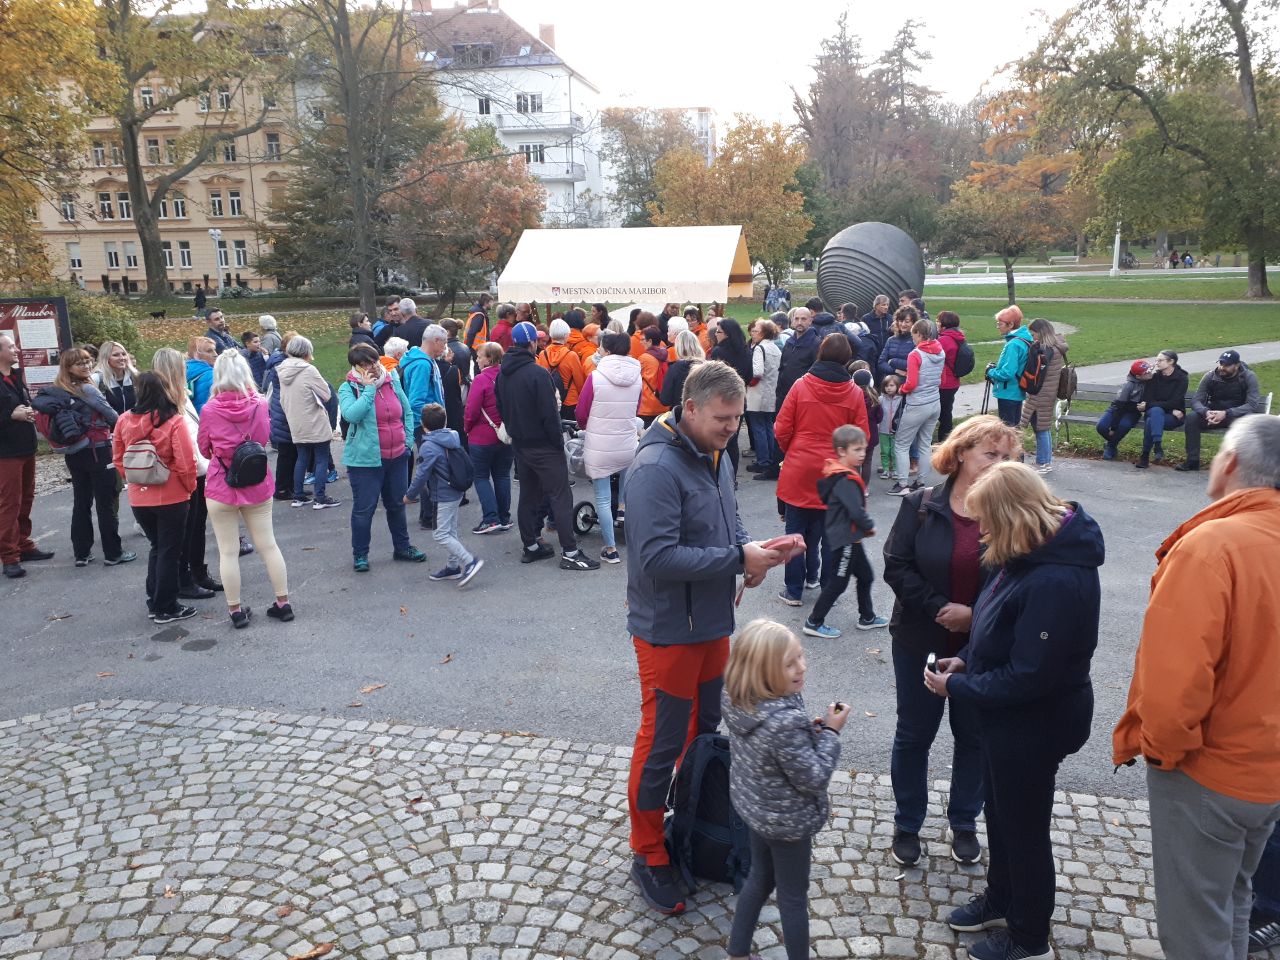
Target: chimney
<point>547,34</point>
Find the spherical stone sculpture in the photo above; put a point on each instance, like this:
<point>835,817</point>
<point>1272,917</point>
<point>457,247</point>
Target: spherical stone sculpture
<point>865,260</point>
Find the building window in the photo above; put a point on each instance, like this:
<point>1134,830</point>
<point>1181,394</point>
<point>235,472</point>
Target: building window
<point>73,257</point>
<point>179,206</point>
<point>166,248</point>
<point>269,101</point>
<point>148,97</point>
<point>113,256</point>
<point>117,155</point>
<point>273,146</point>
<point>203,104</point>
<point>166,94</point>
<point>242,252</point>
<point>483,106</point>
<point>472,54</point>
<point>99,154</point>
<point>184,254</point>
<point>105,210</point>
<point>224,98</point>
<point>229,152</point>
<point>130,254</point>
<point>153,150</point>
<point>215,203</point>
<point>123,205</point>
<point>170,150</point>
<point>164,209</point>
<point>534,152</point>
<point>233,201</point>
<point>68,204</point>
<point>222,254</point>
<point>528,103</point>
<point>317,113</point>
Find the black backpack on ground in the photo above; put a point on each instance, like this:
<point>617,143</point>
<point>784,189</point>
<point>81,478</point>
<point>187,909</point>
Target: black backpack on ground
<point>462,473</point>
<point>248,465</point>
<point>705,836</point>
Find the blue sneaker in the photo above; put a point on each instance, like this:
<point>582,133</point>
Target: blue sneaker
<point>470,571</point>
<point>333,476</point>
<point>875,623</point>
<point>975,915</point>
<point>309,479</point>
<point>999,946</point>
<point>448,573</point>
<point>820,630</point>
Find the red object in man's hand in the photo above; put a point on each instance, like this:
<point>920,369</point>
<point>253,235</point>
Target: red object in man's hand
<point>790,545</point>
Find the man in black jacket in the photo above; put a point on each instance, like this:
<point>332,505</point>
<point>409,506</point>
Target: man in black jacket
<point>412,326</point>
<point>798,353</point>
<point>1228,392</point>
<point>879,324</point>
<point>531,413</point>
<point>17,465</point>
<point>362,331</point>
<point>1163,406</point>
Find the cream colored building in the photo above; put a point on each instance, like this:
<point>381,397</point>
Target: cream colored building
<point>90,233</point>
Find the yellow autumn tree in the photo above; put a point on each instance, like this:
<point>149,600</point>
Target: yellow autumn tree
<point>751,181</point>
<point>47,64</point>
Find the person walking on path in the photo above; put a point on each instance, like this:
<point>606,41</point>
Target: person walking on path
<point>433,474</point>
<point>1163,406</point>
<point>1006,375</point>
<point>379,429</point>
<point>1038,410</point>
<point>921,405</point>
<point>236,413</point>
<point>305,395</point>
<point>1204,702</point>
<point>491,458</point>
<point>1226,393</point>
<point>931,562</point>
<point>1026,670</point>
<point>530,412</point>
<point>687,546</point>
<point>17,466</point>
<point>159,505</point>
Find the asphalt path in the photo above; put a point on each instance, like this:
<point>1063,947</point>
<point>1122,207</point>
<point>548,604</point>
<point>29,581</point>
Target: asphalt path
<point>523,648</point>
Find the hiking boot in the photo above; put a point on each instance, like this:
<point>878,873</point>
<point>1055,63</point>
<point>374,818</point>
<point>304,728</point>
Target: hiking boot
<point>412,555</point>
<point>540,552</point>
<point>1109,451</point>
<point>193,591</point>
<point>361,564</point>
<point>280,611</point>
<point>447,573</point>
<point>812,629</point>
<point>875,623</point>
<point>658,887</point>
<point>789,600</point>
<point>906,848</point>
<point>975,915</point>
<point>1188,466</point>
<point>965,847</point>
<point>128,556</point>
<point>1264,932</point>
<point>1157,454</point>
<point>1141,463</point>
<point>470,570</point>
<point>999,946</point>
<point>177,613</point>
<point>578,561</point>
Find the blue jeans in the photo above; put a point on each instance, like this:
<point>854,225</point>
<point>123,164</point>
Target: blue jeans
<point>1044,440</point>
<point>1266,879</point>
<point>760,428</point>
<point>919,716</point>
<point>368,484</point>
<point>312,458</point>
<point>809,523</point>
<point>1113,428</point>
<point>602,487</point>
<point>1156,423</point>
<point>492,463</point>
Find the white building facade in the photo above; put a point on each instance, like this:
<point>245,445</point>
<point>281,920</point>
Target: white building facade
<point>493,71</point>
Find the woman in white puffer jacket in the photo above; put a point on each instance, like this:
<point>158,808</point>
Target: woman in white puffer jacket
<point>607,409</point>
<point>762,403</point>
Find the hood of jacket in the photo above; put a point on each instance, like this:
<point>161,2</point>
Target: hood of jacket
<point>196,366</point>
<point>444,438</point>
<point>1077,543</point>
<point>824,323</point>
<point>412,357</point>
<point>828,371</point>
<point>1245,501</point>
<point>291,369</point>
<point>953,333</point>
<point>235,407</point>
<point>556,352</point>
<point>932,347</point>
<point>620,371</point>
<point>1020,333</point>
<point>833,471</point>
<point>514,360</point>
<point>744,723</point>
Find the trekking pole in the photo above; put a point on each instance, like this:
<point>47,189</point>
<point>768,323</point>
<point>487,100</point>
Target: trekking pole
<point>986,390</point>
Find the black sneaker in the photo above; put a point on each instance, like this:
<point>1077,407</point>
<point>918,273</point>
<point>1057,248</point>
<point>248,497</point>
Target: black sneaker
<point>999,946</point>
<point>658,887</point>
<point>280,611</point>
<point>1157,454</point>
<point>240,619</point>
<point>177,613</point>
<point>1264,933</point>
<point>541,552</point>
<point>84,561</point>
<point>127,556</point>
<point>975,915</point>
<point>1188,466</point>
<point>37,554</point>
<point>486,526</point>
<point>14,571</point>
<point>965,847</point>
<point>446,573</point>
<point>578,561</point>
<point>906,848</point>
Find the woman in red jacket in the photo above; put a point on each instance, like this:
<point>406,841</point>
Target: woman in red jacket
<point>821,400</point>
<point>159,507</point>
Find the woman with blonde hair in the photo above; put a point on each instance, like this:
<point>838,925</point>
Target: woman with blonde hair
<point>194,580</point>
<point>688,353</point>
<point>931,562</point>
<point>114,374</point>
<point>236,413</point>
<point>1025,670</point>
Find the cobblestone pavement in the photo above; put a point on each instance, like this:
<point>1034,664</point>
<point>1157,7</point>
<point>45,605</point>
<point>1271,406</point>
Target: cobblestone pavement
<point>133,829</point>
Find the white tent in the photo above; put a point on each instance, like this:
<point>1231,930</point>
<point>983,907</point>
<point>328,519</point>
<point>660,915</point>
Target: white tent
<point>648,264</point>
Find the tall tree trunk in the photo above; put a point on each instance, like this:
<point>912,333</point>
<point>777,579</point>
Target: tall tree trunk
<point>144,215</point>
<point>1255,240</point>
<point>1162,242</point>
<point>1008,277</point>
<point>1082,245</point>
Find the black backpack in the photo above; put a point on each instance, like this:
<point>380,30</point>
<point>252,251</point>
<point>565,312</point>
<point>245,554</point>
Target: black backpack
<point>705,836</point>
<point>1034,370</point>
<point>462,473</point>
<point>248,465</point>
<point>965,360</point>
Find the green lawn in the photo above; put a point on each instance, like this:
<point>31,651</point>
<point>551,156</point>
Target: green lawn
<point>1175,286</point>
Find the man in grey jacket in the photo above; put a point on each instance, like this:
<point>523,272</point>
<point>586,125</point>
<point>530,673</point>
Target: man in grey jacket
<point>1228,392</point>
<point>687,546</point>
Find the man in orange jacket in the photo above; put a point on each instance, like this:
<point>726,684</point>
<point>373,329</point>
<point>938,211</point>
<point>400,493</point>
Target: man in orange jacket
<point>1204,704</point>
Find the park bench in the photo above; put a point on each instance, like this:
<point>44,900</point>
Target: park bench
<point>1054,261</point>
<point>1064,415</point>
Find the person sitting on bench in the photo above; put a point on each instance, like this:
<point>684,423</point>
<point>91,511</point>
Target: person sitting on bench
<point>1227,393</point>
<point>1164,403</point>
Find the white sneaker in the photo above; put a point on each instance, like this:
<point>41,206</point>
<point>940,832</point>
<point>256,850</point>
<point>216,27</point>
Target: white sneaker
<point>1044,468</point>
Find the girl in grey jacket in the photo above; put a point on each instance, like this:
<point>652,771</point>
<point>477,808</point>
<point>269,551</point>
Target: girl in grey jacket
<point>782,761</point>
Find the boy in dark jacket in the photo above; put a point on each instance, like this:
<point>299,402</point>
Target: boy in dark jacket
<point>845,493</point>
<point>432,478</point>
<point>1123,413</point>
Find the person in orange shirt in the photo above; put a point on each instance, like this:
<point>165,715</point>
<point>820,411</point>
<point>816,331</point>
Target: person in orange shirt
<point>693,316</point>
<point>1204,702</point>
<point>639,320</point>
<point>565,367</point>
<point>653,367</point>
<point>578,341</point>
<point>392,352</point>
<point>675,327</point>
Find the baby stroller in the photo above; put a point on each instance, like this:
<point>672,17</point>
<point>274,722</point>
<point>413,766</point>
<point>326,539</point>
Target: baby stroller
<point>584,511</point>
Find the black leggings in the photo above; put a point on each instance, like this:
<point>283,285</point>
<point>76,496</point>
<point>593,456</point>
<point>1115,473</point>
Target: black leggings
<point>784,865</point>
<point>850,561</point>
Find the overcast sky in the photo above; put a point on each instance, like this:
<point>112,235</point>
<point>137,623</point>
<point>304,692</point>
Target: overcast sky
<point>744,56</point>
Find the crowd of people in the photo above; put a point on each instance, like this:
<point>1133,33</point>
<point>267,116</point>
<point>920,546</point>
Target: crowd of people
<point>997,598</point>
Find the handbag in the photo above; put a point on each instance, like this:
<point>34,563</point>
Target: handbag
<point>499,428</point>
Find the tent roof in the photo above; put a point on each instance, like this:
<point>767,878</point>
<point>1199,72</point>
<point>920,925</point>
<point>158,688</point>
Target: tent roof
<point>649,264</point>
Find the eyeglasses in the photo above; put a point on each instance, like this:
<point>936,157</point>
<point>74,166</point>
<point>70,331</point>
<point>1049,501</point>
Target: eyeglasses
<point>83,363</point>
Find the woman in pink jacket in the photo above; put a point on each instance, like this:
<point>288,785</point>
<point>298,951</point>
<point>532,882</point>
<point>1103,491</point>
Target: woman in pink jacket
<point>491,458</point>
<point>235,413</point>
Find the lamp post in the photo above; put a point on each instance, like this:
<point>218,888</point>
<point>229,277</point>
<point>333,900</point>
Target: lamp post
<point>1115,253</point>
<point>216,236</point>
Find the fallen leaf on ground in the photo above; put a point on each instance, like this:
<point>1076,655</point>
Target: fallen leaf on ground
<point>415,800</point>
<point>284,911</point>
<point>60,616</point>
<point>372,687</point>
<point>869,713</point>
<point>404,611</point>
<point>104,674</point>
<point>355,703</point>
<point>319,950</point>
<point>873,649</point>
<point>168,892</point>
<point>448,658</point>
<point>310,548</point>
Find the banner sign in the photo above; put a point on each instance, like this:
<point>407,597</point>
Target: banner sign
<point>41,329</point>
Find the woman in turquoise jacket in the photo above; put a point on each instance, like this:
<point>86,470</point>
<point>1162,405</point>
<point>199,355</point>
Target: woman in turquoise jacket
<point>379,424</point>
<point>1004,376</point>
